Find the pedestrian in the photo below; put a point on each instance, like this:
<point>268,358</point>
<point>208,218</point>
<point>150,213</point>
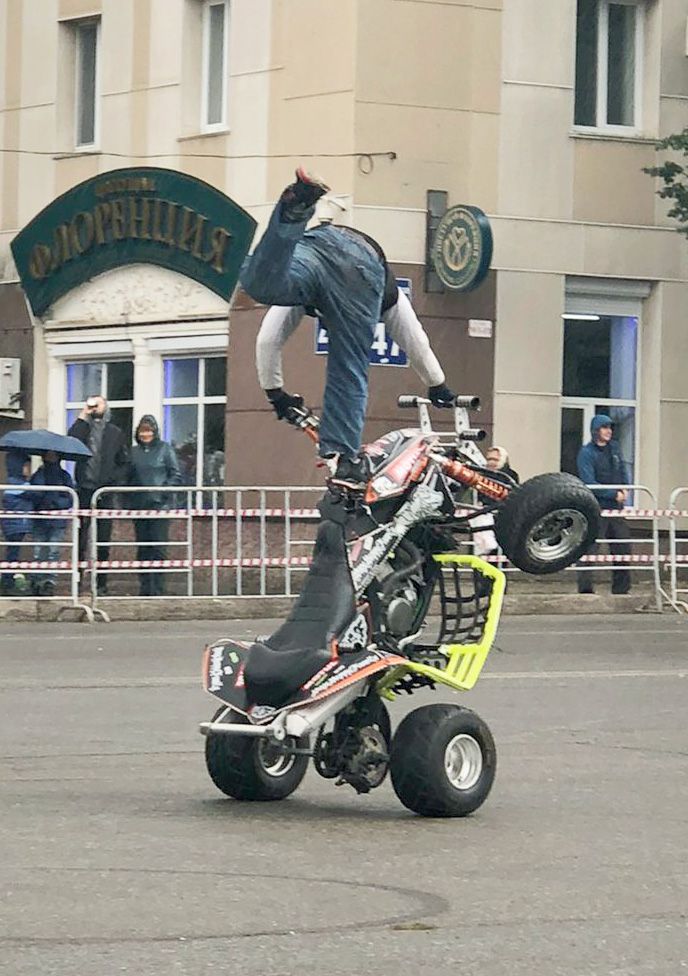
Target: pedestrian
<point>484,539</point>
<point>108,465</point>
<point>497,459</point>
<point>49,532</point>
<point>153,462</point>
<point>16,528</point>
<point>343,274</point>
<point>599,462</point>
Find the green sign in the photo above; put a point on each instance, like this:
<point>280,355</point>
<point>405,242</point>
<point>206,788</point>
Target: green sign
<point>129,216</point>
<point>462,248</point>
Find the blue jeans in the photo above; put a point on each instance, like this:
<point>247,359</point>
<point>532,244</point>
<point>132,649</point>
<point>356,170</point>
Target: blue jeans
<point>47,533</point>
<point>345,280</point>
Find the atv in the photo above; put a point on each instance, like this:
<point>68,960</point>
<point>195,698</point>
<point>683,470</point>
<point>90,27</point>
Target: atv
<point>390,605</point>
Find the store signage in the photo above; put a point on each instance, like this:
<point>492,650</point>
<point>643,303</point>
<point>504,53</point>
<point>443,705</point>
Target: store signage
<point>384,351</point>
<point>130,216</point>
<point>462,248</point>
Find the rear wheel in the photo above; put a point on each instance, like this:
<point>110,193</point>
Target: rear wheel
<point>547,523</point>
<point>443,761</point>
<point>253,768</point>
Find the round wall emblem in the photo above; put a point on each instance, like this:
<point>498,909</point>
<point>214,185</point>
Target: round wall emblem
<point>462,249</point>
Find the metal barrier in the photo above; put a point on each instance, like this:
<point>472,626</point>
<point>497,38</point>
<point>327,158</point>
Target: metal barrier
<point>249,541</point>
<point>650,562</point>
<point>38,568</point>
<point>257,526</point>
<point>675,556</point>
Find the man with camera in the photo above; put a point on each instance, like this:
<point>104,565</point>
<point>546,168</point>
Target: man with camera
<point>108,465</point>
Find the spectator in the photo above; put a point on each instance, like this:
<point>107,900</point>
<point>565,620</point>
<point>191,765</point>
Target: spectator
<point>153,462</point>
<point>18,467</point>
<point>107,466</point>
<point>599,463</point>
<point>497,459</point>
<point>49,532</point>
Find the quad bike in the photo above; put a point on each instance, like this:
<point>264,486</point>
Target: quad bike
<point>390,606</point>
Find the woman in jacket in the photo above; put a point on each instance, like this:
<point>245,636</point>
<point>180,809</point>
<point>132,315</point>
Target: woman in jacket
<point>154,463</point>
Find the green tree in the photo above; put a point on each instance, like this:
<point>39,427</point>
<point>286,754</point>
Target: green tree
<point>674,177</point>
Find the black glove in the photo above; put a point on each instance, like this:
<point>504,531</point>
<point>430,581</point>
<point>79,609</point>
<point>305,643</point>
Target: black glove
<point>283,403</point>
<point>441,395</point>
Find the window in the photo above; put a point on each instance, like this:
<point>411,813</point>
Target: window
<point>215,67</point>
<point>600,375</point>
<point>114,381</point>
<point>86,35</point>
<point>609,54</point>
<point>194,416</point>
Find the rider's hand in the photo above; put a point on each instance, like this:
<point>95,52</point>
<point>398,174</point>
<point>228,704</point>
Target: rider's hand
<point>441,395</point>
<point>283,403</point>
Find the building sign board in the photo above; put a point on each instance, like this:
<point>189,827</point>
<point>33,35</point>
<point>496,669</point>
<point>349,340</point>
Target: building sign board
<point>462,248</point>
<point>383,351</point>
<point>129,216</point>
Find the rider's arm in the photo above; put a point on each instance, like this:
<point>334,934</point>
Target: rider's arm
<point>277,325</point>
<point>404,327</point>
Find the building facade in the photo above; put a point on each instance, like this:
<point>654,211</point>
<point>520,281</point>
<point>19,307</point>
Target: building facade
<point>541,112</point>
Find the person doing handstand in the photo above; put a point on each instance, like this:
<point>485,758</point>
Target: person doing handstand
<point>344,275</point>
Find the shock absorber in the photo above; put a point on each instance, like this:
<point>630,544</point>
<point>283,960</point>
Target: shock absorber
<point>473,479</point>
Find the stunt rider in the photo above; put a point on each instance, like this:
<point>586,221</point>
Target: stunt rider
<point>344,275</point>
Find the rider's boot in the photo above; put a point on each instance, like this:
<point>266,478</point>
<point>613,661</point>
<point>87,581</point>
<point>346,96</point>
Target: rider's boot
<point>352,473</point>
<point>299,197</point>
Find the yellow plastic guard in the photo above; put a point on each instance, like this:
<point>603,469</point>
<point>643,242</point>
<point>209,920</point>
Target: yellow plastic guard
<point>464,661</point>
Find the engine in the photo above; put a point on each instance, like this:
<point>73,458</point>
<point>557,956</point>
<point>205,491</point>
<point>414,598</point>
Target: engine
<point>399,587</point>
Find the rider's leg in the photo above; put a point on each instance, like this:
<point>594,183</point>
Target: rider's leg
<point>280,272</point>
<point>351,310</point>
<point>275,274</point>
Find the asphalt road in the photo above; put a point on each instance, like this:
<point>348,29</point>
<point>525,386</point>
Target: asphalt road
<point>118,855</point>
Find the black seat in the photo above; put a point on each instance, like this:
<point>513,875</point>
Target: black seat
<point>278,667</point>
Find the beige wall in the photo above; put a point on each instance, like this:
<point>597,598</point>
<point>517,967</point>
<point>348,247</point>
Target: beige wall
<point>528,367</point>
<point>427,89</point>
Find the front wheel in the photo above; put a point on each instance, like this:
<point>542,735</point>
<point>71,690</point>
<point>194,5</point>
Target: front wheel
<point>547,523</point>
<point>443,761</point>
<point>252,768</point>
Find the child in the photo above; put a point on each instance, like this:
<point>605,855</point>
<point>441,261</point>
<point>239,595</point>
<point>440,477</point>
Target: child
<point>14,530</point>
<point>49,532</point>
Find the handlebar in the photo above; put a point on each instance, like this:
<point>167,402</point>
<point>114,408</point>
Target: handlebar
<point>463,402</point>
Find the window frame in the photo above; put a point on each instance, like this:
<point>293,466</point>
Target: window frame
<point>113,404</point>
<point>77,26</point>
<point>200,401</point>
<point>601,103</point>
<point>223,124</point>
<point>606,303</point>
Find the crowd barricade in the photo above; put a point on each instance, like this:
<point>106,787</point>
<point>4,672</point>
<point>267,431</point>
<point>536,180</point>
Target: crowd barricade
<point>649,559</point>
<point>245,541</point>
<point>30,567</point>
<point>678,547</point>
<point>253,540</point>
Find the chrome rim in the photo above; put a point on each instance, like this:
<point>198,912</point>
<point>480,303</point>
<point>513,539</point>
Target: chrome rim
<point>557,534</point>
<point>463,762</point>
<point>275,762</point>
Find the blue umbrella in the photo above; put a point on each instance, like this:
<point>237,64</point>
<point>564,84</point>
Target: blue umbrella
<point>41,441</point>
